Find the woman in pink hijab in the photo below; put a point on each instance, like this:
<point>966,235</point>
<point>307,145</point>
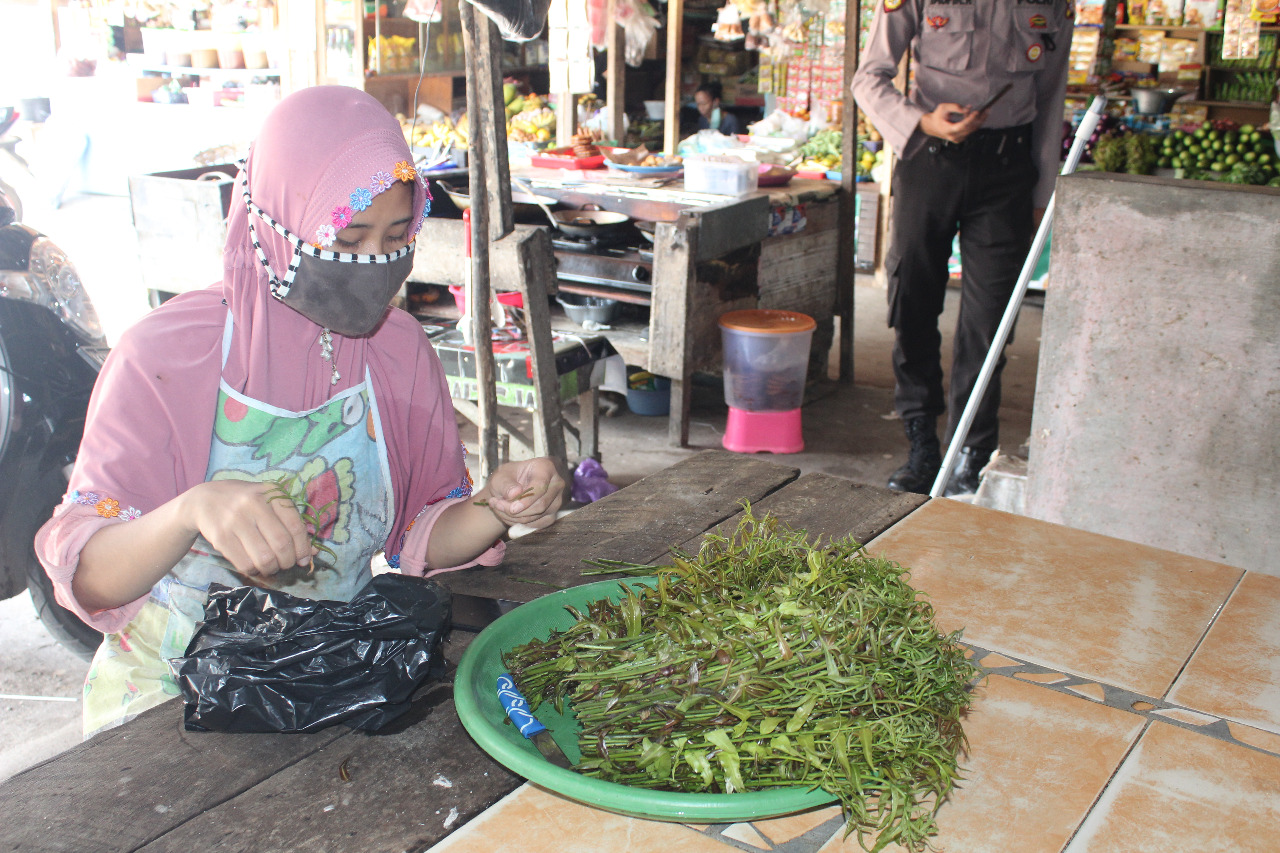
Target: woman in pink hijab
<point>290,377</point>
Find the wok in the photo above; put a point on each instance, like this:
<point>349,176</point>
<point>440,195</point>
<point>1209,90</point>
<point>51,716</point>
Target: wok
<point>590,223</point>
<point>524,205</point>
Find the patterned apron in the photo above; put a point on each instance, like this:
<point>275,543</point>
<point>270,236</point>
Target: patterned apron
<point>337,453</point>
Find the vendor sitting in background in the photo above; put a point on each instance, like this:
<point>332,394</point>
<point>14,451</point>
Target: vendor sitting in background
<point>710,116</point>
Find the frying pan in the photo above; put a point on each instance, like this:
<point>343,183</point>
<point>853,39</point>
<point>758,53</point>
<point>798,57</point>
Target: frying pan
<point>524,205</point>
<point>590,223</point>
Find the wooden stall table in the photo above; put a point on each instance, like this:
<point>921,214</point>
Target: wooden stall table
<point>776,247</point>
<point>1129,704</point>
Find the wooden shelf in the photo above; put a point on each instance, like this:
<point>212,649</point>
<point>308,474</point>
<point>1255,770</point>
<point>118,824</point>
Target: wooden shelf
<point>1187,32</point>
<point>190,71</point>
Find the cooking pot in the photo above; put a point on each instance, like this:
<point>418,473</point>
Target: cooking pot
<point>590,223</point>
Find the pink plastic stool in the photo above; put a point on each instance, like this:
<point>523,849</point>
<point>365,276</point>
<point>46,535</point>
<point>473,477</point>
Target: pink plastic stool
<point>771,432</point>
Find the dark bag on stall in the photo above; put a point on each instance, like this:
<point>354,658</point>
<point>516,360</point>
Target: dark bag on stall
<point>267,661</point>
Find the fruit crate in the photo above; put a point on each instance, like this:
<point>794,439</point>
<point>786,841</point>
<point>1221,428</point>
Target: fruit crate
<point>1266,58</point>
<point>1254,86</point>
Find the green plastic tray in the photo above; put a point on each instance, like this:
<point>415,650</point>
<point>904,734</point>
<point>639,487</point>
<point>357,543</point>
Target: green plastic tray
<point>476,698</point>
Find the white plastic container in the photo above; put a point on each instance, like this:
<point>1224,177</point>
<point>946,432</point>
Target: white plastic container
<point>766,358</point>
<point>720,175</point>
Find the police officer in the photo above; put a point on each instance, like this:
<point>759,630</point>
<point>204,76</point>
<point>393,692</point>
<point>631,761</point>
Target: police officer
<point>988,173</point>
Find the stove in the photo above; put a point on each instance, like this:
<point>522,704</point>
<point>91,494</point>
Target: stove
<point>618,269</point>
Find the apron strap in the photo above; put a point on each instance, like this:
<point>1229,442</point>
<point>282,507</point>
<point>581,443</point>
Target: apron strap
<point>227,329</point>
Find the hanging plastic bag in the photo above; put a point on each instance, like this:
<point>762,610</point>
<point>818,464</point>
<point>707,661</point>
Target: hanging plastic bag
<point>267,661</point>
<point>638,21</point>
<point>591,482</point>
<point>517,20</point>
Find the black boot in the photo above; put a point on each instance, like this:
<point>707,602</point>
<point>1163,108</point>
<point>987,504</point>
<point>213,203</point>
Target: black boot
<point>924,460</point>
<point>967,473</point>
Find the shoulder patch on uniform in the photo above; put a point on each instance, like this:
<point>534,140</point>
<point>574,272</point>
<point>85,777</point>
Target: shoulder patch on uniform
<point>1035,52</point>
<point>892,5</point>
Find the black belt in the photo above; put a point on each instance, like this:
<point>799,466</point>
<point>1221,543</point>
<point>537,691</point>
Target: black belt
<point>990,140</point>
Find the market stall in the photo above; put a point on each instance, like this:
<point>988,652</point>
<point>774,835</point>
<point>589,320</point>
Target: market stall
<point>677,261</point>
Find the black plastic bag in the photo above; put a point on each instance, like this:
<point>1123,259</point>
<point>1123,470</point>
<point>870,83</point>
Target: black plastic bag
<point>267,661</point>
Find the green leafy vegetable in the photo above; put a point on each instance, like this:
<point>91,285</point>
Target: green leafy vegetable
<point>766,661</point>
<point>292,489</point>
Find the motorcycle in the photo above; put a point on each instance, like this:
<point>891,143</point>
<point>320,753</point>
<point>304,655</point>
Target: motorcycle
<point>51,349</point>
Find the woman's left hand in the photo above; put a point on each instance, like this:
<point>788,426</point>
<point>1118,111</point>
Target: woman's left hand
<point>528,492</point>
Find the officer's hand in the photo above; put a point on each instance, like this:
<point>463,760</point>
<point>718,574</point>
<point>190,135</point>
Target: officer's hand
<point>938,123</point>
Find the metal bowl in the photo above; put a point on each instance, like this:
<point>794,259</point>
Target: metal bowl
<point>1154,101</point>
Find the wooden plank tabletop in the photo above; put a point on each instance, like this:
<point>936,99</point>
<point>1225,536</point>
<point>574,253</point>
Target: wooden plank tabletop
<point>150,785</point>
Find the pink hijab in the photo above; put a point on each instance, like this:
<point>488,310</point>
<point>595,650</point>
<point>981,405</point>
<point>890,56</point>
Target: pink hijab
<point>150,421</point>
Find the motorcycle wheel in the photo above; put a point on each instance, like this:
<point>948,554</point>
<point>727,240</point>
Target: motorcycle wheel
<point>64,625</point>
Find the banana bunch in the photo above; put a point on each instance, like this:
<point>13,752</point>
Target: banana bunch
<point>533,124</point>
<point>442,132</point>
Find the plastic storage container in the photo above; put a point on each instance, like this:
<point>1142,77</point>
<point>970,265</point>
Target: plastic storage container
<point>766,358</point>
<point>506,297</point>
<point>648,394</point>
<point>720,175</point>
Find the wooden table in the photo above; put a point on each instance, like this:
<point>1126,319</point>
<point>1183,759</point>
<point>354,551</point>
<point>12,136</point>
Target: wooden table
<point>1130,704</point>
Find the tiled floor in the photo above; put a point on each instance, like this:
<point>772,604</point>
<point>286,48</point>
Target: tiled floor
<point>1132,703</point>
<point>1102,608</point>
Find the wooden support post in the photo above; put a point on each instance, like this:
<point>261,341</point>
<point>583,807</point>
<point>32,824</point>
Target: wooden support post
<point>566,118</point>
<point>492,219</point>
<point>847,245</point>
<point>482,62</point>
<point>675,37</point>
<point>615,86</point>
<point>537,280</point>
<point>675,248</point>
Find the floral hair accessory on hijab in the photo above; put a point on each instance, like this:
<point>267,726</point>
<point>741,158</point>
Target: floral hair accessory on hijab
<point>361,197</point>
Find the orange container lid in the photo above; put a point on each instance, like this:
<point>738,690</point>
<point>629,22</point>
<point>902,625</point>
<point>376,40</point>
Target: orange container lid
<point>767,321</point>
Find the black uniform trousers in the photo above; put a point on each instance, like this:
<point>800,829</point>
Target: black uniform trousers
<point>981,187</point>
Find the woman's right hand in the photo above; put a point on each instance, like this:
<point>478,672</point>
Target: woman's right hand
<point>257,534</point>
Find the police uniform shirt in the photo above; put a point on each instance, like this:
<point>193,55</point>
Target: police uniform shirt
<point>963,52</point>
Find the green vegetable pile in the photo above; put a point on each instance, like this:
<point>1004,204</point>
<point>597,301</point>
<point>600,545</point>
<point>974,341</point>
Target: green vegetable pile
<point>765,661</point>
<point>1123,151</point>
<point>824,143</point>
<point>1221,151</point>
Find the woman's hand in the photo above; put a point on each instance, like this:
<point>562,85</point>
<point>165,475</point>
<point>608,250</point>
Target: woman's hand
<point>528,492</point>
<point>257,535</point>
<point>260,537</point>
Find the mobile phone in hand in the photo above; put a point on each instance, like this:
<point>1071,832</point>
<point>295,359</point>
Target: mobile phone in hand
<point>954,117</point>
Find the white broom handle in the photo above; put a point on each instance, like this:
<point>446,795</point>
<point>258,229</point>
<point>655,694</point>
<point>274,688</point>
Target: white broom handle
<point>1087,125</point>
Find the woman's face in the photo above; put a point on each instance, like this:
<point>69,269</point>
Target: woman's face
<point>382,227</point>
<point>705,103</point>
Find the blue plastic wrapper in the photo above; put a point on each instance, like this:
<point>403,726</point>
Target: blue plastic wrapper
<point>267,661</point>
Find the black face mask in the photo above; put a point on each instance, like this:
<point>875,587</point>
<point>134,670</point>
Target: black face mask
<point>347,297</point>
<point>343,292</point>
